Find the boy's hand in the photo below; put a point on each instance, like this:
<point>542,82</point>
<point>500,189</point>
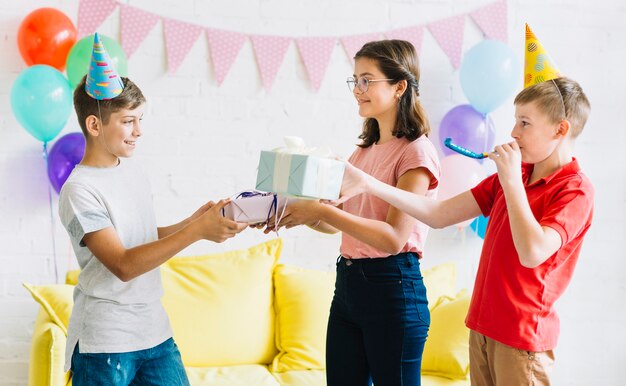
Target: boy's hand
<point>215,227</point>
<point>354,183</point>
<point>298,212</point>
<point>201,210</point>
<point>508,159</point>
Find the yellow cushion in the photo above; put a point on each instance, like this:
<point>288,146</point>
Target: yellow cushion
<point>303,298</point>
<point>440,281</point>
<point>56,299</point>
<point>446,352</point>
<point>71,277</point>
<point>301,378</point>
<point>48,352</point>
<point>220,305</point>
<point>433,380</point>
<point>246,375</point>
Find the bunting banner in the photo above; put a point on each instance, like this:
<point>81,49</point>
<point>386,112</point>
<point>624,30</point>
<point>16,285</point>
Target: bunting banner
<point>179,38</point>
<point>135,25</point>
<point>414,35</point>
<point>224,47</point>
<point>316,54</point>
<point>269,51</point>
<point>449,35</point>
<point>92,13</point>
<point>491,19</point>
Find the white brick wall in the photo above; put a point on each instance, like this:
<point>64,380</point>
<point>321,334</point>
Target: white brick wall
<point>202,142</point>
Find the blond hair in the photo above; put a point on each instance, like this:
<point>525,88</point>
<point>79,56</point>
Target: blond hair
<point>562,98</point>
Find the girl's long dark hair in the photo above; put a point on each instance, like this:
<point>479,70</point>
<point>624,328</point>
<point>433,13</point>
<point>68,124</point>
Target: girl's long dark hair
<point>397,60</point>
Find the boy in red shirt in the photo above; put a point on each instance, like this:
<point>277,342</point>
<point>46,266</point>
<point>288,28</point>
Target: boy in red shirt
<point>540,207</point>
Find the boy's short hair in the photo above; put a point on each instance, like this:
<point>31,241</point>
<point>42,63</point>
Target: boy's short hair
<point>131,97</point>
<point>549,101</point>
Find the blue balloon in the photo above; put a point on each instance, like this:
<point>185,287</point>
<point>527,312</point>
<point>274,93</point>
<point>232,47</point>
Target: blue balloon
<point>41,100</point>
<point>479,225</point>
<point>490,72</point>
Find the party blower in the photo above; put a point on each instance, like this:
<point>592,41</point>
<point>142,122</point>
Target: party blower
<point>461,150</point>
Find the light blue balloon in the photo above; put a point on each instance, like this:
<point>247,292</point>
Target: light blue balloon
<point>490,72</point>
<point>41,100</point>
<point>479,225</point>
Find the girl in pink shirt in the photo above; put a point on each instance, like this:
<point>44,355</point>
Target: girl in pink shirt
<point>379,315</point>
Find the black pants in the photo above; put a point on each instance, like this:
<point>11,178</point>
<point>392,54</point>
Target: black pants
<point>378,322</point>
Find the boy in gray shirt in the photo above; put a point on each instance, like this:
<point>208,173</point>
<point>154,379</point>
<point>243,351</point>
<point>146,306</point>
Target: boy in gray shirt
<point>119,332</point>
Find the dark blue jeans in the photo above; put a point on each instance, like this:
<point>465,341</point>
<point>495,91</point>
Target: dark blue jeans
<point>160,365</point>
<point>378,322</point>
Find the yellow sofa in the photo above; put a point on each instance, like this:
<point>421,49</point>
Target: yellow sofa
<point>241,319</point>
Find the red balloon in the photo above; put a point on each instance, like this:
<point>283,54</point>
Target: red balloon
<point>46,36</point>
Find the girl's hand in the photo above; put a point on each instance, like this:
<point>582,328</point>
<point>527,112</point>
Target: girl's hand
<point>508,159</point>
<point>298,212</point>
<point>354,183</point>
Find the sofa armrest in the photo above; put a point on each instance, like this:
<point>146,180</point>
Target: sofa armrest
<point>47,353</point>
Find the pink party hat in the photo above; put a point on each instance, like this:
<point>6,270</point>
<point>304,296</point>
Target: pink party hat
<point>103,81</point>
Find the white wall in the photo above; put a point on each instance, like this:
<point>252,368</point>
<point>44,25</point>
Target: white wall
<point>202,142</point>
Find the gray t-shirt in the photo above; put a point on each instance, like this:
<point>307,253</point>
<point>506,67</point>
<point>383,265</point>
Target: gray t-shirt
<point>109,315</point>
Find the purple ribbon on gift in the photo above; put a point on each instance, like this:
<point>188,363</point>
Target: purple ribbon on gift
<point>273,207</point>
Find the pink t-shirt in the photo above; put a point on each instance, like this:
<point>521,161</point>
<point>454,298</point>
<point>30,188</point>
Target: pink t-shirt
<point>388,162</point>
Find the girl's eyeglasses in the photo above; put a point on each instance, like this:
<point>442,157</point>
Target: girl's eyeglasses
<point>362,83</point>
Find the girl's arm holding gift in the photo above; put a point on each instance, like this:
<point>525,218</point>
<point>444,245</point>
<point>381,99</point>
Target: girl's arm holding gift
<point>389,235</point>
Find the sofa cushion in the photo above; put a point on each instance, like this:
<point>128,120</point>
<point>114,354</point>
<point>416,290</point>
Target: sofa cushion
<point>48,352</point>
<point>440,282</point>
<point>246,375</point>
<point>301,378</point>
<point>302,302</point>
<point>56,299</point>
<point>221,305</point>
<point>446,353</point>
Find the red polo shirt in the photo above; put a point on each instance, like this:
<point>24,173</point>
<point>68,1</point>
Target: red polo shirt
<point>513,304</point>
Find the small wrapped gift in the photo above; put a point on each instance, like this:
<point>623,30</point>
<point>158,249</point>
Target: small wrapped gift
<point>255,207</point>
<point>300,171</point>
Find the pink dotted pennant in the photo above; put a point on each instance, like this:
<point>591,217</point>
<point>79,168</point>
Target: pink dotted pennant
<point>352,44</point>
<point>179,38</point>
<point>270,52</point>
<point>316,54</point>
<point>449,35</point>
<point>135,26</point>
<point>414,35</point>
<point>225,47</point>
<point>492,20</point>
<point>91,14</point>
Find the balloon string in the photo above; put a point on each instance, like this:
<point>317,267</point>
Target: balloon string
<point>54,249</point>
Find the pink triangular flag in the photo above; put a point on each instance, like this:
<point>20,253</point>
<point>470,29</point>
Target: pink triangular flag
<point>352,44</point>
<point>179,38</point>
<point>225,47</point>
<point>135,26</point>
<point>449,34</point>
<point>414,35</point>
<point>316,52</point>
<point>91,13</point>
<point>492,20</point>
<point>270,52</point>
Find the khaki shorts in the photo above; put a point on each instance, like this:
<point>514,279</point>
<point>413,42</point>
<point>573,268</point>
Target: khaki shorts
<point>495,364</point>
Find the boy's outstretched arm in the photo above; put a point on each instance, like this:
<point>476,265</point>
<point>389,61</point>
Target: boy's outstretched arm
<point>434,213</point>
<point>168,230</point>
<point>128,263</point>
<point>534,243</point>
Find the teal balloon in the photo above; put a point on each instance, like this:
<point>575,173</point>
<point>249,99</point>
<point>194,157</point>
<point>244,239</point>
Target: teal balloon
<point>479,225</point>
<point>41,100</point>
<point>80,56</point>
<point>490,73</point>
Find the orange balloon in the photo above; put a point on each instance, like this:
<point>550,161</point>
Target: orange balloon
<point>46,36</point>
